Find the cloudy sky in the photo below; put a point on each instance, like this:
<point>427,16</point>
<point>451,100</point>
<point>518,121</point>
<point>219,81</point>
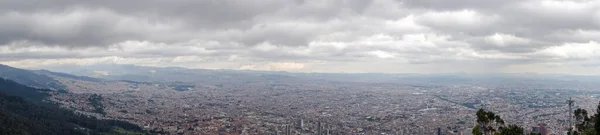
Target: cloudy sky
<point>391,36</point>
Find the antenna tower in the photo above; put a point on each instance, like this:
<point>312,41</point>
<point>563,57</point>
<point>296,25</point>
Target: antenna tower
<point>570,102</point>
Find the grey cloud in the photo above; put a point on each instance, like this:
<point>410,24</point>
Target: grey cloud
<point>482,44</point>
<point>204,13</point>
<point>296,29</point>
<point>198,18</point>
<point>574,35</point>
<point>445,5</point>
<point>70,28</point>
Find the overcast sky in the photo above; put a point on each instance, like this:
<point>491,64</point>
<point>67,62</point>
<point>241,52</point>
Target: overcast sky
<point>390,36</point>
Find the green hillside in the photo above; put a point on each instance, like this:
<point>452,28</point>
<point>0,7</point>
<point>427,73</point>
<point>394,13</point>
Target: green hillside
<point>23,112</point>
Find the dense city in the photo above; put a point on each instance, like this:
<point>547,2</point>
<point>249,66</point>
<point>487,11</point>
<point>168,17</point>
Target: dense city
<point>324,107</point>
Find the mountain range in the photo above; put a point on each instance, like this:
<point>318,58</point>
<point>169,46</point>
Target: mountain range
<point>47,79</point>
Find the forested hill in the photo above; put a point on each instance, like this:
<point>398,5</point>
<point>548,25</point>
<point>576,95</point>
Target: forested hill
<point>23,113</point>
<point>12,88</point>
<point>29,78</point>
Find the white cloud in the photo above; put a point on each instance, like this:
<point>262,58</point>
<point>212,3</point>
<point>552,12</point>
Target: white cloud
<point>381,54</point>
<point>406,24</point>
<point>459,20</point>
<point>561,7</point>
<point>274,66</point>
<point>500,39</point>
<point>590,50</point>
<point>578,35</point>
<point>265,47</point>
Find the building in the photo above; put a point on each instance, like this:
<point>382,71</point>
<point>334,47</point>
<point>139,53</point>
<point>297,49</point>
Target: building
<point>541,129</point>
<point>300,124</point>
<point>319,128</point>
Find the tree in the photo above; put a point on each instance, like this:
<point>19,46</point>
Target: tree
<point>488,121</point>
<point>511,130</point>
<point>569,132</point>
<point>587,125</point>
<point>582,120</point>
<point>597,119</point>
<point>589,131</point>
<point>476,130</point>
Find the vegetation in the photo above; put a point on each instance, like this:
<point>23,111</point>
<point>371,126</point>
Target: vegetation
<point>511,130</point>
<point>96,101</point>
<point>121,131</point>
<point>597,120</point>
<point>31,94</point>
<point>476,130</point>
<point>586,124</point>
<point>489,123</point>
<point>29,78</point>
<point>582,120</point>
<point>32,116</point>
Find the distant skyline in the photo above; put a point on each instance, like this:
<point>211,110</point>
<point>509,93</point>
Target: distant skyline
<point>338,36</point>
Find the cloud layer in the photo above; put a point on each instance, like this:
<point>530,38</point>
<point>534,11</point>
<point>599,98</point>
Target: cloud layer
<point>422,36</point>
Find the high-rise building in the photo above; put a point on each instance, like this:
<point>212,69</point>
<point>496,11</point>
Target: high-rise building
<point>300,124</point>
<point>288,130</point>
<point>326,129</point>
<point>319,128</point>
